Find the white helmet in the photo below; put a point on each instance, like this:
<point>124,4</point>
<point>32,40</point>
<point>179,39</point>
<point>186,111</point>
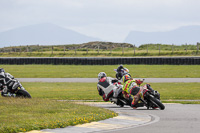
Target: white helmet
<point>101,75</point>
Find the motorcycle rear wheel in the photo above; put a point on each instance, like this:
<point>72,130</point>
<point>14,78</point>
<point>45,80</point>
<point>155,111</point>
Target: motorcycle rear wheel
<point>23,93</point>
<point>156,102</point>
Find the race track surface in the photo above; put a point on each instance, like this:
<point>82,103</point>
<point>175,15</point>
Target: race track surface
<point>176,118</point>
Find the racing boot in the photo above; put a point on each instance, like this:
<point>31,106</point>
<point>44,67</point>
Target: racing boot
<point>130,99</point>
<point>137,105</point>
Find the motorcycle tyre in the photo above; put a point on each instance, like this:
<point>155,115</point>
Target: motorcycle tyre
<point>157,102</point>
<point>121,105</point>
<point>23,93</point>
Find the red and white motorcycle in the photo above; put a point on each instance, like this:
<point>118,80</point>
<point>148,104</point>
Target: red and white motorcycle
<point>151,99</point>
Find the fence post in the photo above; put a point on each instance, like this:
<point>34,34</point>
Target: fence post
<point>64,49</point>
<point>147,48</point>
<point>30,50</point>
<point>186,48</point>
<point>159,49</point>
<point>134,49</point>
<point>27,50</point>
<point>75,50</point>
<point>20,49</point>
<point>172,48</point>
<point>52,50</point>
<point>122,49</point>
<point>41,48</point>
<point>15,49</point>
<point>38,48</point>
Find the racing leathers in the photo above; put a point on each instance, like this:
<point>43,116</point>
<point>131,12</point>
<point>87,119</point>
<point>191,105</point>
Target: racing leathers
<point>131,87</point>
<point>7,81</point>
<point>107,87</point>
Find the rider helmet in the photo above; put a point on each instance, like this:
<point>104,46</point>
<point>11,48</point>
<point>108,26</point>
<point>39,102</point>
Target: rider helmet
<point>120,68</point>
<point>125,78</point>
<point>2,73</point>
<point>2,70</point>
<point>101,75</point>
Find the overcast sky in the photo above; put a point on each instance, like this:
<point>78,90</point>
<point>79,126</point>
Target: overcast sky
<point>110,20</point>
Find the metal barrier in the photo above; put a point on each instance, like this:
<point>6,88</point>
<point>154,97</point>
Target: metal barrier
<point>101,61</point>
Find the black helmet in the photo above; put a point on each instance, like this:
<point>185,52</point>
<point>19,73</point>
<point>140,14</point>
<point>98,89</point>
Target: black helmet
<point>119,68</point>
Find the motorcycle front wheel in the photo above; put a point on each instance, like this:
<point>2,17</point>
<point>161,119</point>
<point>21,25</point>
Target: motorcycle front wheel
<point>23,93</point>
<point>156,102</point>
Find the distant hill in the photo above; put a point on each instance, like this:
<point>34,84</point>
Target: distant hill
<point>104,45</point>
<point>84,46</point>
<point>182,35</point>
<point>43,34</point>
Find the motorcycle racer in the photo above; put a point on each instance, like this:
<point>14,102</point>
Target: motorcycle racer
<point>106,86</point>
<point>7,81</point>
<point>121,71</point>
<point>131,87</point>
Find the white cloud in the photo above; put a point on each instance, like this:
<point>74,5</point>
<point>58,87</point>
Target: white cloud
<point>107,19</point>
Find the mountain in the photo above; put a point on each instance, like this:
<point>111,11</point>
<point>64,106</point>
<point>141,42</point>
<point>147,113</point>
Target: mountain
<point>182,35</point>
<point>42,34</point>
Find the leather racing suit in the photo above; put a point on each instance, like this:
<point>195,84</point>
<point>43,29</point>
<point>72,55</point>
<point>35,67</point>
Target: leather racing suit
<point>7,81</point>
<point>106,87</point>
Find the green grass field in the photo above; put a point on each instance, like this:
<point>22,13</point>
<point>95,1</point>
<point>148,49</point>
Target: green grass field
<point>21,115</point>
<point>91,71</point>
<point>88,91</point>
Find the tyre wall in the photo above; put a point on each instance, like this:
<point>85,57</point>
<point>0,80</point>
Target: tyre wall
<point>102,61</point>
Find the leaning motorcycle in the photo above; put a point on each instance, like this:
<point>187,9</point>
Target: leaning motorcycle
<point>151,99</point>
<point>20,91</point>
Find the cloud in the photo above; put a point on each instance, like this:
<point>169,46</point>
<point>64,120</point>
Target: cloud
<point>101,18</point>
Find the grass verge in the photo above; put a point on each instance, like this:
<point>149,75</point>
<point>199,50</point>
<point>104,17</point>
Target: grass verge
<point>88,91</point>
<point>91,71</point>
<point>127,52</point>
<point>21,115</point>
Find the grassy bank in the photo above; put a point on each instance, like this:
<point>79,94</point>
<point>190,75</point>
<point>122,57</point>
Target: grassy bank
<point>21,115</point>
<point>100,49</point>
<point>91,71</point>
<point>94,53</point>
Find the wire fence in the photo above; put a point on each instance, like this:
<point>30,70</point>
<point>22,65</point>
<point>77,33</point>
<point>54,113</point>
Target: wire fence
<point>156,49</point>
